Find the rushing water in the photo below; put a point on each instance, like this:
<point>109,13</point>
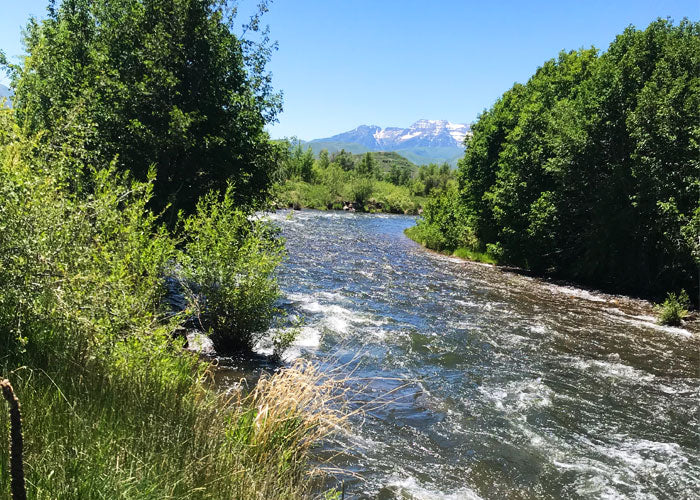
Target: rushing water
<point>500,385</point>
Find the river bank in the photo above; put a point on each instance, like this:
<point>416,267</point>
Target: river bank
<point>691,321</point>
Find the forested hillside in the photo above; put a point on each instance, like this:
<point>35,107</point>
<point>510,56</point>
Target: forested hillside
<point>373,182</point>
<point>591,170</point>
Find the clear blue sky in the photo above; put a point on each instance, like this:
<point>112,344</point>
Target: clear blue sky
<point>344,63</point>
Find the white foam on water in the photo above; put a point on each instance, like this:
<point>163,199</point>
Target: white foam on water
<point>308,338</point>
<point>334,296</point>
<point>575,292</point>
<point>366,274</point>
<point>335,317</point>
<point>282,217</point>
<point>337,323</point>
<point>649,322</point>
<point>468,303</point>
<point>637,462</point>
<point>411,487</point>
<point>519,396</point>
<point>612,369</point>
<point>538,328</point>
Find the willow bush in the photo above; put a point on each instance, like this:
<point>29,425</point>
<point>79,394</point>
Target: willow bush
<point>228,260</point>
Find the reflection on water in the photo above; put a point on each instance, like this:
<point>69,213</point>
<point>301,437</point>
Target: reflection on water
<point>504,386</point>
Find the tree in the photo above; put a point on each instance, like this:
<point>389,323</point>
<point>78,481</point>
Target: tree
<point>591,170</point>
<point>323,159</point>
<point>399,175</point>
<point>344,159</point>
<point>154,82</point>
<point>301,162</point>
<point>366,167</point>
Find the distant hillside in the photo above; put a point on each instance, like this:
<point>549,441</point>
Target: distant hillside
<point>423,156</point>
<point>387,159</point>
<point>426,141</point>
<point>334,147</point>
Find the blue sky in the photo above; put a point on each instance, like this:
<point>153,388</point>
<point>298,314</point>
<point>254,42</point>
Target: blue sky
<point>344,63</point>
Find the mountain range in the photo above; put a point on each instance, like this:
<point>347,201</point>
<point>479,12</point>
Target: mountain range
<point>426,141</point>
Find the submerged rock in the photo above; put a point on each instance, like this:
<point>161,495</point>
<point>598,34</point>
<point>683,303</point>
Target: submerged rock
<point>200,343</point>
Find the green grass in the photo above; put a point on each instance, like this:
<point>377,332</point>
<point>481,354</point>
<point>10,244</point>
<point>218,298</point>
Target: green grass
<point>417,234</point>
<point>468,254</point>
<point>136,435</point>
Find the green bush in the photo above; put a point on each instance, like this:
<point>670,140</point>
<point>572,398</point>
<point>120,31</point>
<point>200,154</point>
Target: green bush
<point>428,236</point>
<point>360,190</point>
<point>317,196</point>
<point>77,273</point>
<point>674,309</point>
<point>112,406</point>
<point>228,260</point>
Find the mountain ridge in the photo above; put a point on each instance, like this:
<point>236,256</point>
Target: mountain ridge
<point>422,133</point>
<point>425,141</point>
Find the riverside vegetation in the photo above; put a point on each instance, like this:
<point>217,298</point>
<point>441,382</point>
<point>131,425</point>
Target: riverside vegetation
<point>590,171</point>
<point>371,182</point>
<point>135,152</point>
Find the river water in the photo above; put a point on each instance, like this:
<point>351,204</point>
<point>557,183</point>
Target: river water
<point>486,383</point>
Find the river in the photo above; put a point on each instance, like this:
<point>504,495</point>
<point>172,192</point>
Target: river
<point>500,385</point>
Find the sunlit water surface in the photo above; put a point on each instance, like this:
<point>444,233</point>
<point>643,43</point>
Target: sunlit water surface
<point>496,385</point>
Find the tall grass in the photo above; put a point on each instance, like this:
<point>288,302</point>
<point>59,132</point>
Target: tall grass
<point>113,437</point>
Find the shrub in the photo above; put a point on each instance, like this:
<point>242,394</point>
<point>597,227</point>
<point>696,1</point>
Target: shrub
<point>228,260</point>
<point>77,273</point>
<point>674,309</point>
<point>360,190</point>
<point>428,236</point>
<point>317,196</point>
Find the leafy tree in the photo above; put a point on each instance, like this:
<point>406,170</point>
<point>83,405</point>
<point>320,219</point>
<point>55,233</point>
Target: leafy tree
<point>344,159</point>
<point>323,159</point>
<point>366,166</point>
<point>399,175</point>
<point>156,82</point>
<point>591,170</point>
<point>298,163</point>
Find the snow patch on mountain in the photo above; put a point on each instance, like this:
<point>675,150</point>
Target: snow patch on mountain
<point>423,133</point>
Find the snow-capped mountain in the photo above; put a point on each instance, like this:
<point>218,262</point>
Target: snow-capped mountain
<point>422,134</point>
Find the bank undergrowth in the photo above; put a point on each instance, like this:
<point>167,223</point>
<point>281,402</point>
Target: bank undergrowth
<point>373,182</point>
<point>113,406</point>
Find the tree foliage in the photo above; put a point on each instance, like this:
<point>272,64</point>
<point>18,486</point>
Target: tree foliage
<point>591,170</point>
<point>373,181</point>
<point>162,83</point>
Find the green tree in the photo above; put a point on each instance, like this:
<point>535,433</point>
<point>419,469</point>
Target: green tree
<point>323,159</point>
<point>158,82</point>
<point>344,159</point>
<point>298,163</point>
<point>591,170</point>
<point>367,166</point>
